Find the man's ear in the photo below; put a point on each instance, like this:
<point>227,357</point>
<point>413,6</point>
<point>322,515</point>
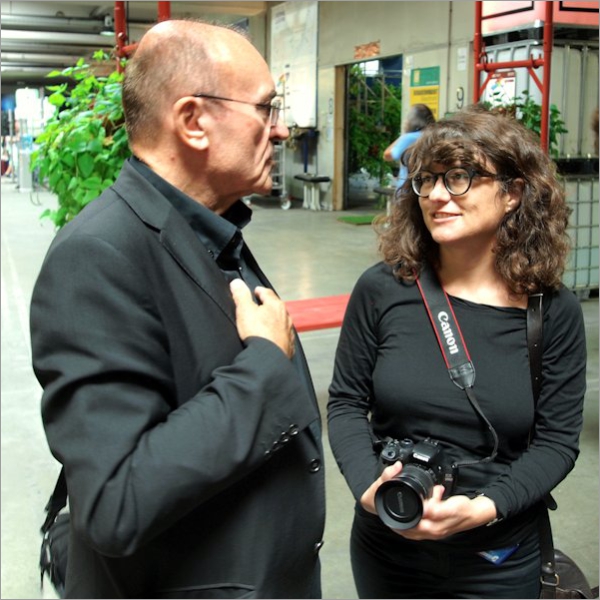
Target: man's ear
<point>189,123</point>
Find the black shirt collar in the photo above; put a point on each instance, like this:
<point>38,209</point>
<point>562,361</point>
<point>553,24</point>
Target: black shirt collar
<point>220,234</point>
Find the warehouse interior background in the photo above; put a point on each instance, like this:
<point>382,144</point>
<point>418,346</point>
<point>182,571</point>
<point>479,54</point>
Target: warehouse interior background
<point>316,51</point>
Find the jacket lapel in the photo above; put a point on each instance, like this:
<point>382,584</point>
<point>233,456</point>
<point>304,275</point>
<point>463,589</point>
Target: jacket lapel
<point>175,235</point>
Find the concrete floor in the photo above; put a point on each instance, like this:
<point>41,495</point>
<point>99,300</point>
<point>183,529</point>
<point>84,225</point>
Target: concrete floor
<point>305,254</point>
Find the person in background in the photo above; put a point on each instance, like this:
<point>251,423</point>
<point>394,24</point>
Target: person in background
<point>484,211</point>
<point>176,393</point>
<point>6,164</point>
<point>419,116</point>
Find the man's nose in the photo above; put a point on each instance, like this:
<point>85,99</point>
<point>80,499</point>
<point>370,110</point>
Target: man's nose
<point>280,130</point>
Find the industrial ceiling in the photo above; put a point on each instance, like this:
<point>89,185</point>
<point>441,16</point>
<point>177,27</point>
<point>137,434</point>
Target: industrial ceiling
<point>38,37</point>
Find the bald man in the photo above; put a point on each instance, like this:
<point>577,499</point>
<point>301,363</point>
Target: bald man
<point>176,393</point>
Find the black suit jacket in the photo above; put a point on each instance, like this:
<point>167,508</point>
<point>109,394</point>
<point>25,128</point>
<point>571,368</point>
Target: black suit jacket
<point>193,460</point>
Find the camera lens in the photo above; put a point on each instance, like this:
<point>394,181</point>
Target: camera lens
<point>399,501</point>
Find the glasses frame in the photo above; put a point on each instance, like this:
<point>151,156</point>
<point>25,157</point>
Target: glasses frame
<point>274,107</point>
<point>469,170</point>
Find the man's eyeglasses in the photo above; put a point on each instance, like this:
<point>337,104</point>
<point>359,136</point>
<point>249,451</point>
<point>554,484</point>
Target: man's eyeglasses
<point>457,181</point>
<point>272,109</point>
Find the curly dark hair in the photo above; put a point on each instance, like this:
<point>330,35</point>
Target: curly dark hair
<point>532,244</point>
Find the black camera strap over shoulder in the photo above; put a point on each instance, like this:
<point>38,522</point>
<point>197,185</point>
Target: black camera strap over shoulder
<point>448,333</point>
<point>454,349</point>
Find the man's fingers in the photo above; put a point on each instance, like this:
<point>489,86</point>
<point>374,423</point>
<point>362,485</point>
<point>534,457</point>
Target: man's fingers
<point>240,291</point>
<point>268,319</point>
<point>265,294</point>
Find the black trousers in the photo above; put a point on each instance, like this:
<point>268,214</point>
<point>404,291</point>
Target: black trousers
<point>393,567</point>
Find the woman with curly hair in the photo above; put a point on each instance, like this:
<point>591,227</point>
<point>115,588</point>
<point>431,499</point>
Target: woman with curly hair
<point>483,212</point>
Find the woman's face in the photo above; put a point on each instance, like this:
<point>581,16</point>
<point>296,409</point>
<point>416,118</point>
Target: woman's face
<point>469,220</point>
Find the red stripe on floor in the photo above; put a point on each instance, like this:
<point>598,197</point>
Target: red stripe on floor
<point>318,313</point>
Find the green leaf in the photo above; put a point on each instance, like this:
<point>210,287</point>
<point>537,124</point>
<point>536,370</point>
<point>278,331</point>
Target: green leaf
<point>68,160</point>
<point>55,177</point>
<point>92,183</point>
<point>95,146</point>
<point>89,196</point>
<point>57,99</point>
<point>85,162</point>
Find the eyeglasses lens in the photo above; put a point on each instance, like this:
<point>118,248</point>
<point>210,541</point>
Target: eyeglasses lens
<point>457,181</point>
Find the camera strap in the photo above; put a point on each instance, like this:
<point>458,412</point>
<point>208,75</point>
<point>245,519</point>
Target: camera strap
<point>453,347</point>
<point>446,329</point>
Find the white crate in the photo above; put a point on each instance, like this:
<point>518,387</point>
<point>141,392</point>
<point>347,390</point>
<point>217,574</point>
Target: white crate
<point>581,274</point>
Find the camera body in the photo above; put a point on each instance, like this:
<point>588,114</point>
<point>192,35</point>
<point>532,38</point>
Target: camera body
<point>399,501</point>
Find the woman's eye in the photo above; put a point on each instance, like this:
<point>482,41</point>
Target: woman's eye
<point>460,176</point>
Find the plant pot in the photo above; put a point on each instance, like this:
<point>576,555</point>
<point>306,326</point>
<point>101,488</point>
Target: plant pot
<point>361,186</point>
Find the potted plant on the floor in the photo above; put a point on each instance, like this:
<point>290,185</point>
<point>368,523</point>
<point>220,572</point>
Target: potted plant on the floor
<point>84,144</point>
<point>374,117</point>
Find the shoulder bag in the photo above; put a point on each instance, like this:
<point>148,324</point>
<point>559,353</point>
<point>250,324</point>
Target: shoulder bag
<point>55,540</point>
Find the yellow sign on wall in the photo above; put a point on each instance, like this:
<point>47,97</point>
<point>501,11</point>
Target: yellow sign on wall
<point>425,88</point>
<point>429,95</point>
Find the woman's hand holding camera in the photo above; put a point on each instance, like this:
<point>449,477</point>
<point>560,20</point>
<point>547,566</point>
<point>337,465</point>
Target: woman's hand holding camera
<point>441,517</point>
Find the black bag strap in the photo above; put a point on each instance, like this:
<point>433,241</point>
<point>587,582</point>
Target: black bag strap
<point>549,577</point>
<point>534,342</point>
<point>56,502</point>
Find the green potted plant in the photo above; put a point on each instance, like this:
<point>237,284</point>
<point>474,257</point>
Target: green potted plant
<point>84,144</point>
<point>529,112</point>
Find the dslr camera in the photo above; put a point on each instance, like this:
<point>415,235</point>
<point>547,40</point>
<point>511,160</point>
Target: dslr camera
<point>399,501</point>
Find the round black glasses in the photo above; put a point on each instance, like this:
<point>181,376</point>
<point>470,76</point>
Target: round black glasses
<point>457,181</point>
<point>272,109</point>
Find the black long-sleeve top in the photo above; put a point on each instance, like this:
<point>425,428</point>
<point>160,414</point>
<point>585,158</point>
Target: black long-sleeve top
<point>390,380</point>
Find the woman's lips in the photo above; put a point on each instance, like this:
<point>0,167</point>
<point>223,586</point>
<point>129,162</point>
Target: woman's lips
<point>445,215</point>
